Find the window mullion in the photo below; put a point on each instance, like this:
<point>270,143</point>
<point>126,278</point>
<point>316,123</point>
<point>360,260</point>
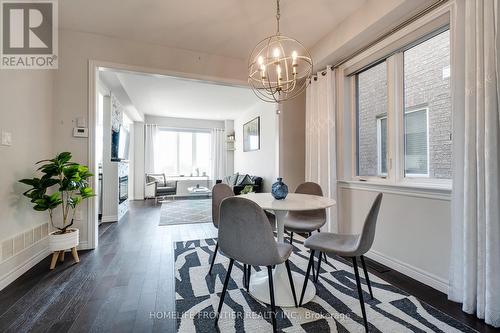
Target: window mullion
<point>391,125</point>
<point>400,105</point>
<point>395,119</point>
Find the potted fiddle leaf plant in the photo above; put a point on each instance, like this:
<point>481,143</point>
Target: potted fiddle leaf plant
<point>61,188</point>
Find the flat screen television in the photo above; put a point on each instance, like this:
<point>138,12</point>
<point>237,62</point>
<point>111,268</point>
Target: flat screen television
<point>120,144</point>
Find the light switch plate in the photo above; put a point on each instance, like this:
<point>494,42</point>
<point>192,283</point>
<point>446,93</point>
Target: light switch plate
<point>6,138</point>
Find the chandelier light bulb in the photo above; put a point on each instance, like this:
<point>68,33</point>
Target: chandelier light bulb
<point>276,53</point>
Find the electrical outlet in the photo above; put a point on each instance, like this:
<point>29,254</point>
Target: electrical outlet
<point>6,138</point>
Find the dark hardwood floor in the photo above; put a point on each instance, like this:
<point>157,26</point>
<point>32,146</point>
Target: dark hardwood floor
<point>122,284</point>
<point>117,287</point>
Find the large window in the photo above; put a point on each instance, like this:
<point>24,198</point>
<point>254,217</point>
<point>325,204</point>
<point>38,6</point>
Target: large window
<point>185,153</point>
<point>412,106</point>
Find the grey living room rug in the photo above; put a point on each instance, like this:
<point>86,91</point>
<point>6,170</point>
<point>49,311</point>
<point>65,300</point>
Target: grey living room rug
<point>186,211</point>
<point>335,307</point>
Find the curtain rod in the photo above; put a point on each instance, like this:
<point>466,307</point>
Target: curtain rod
<point>400,26</point>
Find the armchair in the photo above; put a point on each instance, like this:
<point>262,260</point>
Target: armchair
<point>157,186</point>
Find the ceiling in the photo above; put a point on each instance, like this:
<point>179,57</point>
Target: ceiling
<point>223,27</point>
<point>159,95</point>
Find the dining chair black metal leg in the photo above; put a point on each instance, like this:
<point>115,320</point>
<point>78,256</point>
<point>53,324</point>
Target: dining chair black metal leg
<point>213,258</point>
<point>319,267</point>
<point>291,237</point>
<point>314,274</point>
<point>224,289</point>
<point>248,277</point>
<point>244,275</point>
<point>308,271</point>
<point>292,285</point>
<point>324,254</point>
<point>271,293</point>
<point>366,276</point>
<point>360,292</point>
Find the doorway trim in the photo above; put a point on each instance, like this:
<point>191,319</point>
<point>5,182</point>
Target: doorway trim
<point>93,67</point>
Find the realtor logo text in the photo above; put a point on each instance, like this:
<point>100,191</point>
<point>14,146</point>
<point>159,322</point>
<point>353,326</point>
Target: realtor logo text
<point>29,34</point>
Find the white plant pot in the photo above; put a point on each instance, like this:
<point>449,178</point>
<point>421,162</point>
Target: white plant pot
<point>60,242</point>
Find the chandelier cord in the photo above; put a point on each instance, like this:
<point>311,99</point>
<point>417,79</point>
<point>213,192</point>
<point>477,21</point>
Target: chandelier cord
<point>278,16</point>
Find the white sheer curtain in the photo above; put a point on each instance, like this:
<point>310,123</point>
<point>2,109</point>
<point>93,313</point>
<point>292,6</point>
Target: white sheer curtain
<point>218,154</point>
<point>320,138</point>
<point>150,148</point>
<point>475,261</point>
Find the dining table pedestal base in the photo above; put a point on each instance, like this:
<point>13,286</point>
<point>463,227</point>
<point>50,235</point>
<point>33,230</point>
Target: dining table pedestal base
<point>283,297</point>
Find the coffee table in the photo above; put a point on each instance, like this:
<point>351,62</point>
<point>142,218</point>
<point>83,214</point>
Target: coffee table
<point>200,190</point>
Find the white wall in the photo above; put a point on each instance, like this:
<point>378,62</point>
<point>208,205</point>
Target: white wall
<point>71,81</point>
<point>261,162</point>
<point>26,98</point>
<point>131,163</point>
<point>292,141</point>
<point>229,129</point>
<point>413,233</point>
<point>138,161</point>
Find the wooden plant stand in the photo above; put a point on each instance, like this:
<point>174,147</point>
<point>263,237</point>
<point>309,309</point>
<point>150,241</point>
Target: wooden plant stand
<point>60,255</point>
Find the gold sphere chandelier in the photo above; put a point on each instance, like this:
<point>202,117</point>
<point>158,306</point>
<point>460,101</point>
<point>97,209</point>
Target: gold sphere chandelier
<point>279,67</point>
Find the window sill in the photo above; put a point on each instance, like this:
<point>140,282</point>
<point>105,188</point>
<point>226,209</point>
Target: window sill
<point>430,191</point>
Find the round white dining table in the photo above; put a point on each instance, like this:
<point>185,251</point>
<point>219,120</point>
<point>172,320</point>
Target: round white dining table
<point>259,281</point>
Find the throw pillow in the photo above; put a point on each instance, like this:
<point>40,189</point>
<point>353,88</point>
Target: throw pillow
<point>240,179</point>
<point>246,180</point>
<point>233,179</point>
<point>156,178</point>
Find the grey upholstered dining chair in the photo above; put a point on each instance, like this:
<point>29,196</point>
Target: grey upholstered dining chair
<point>351,246</point>
<point>245,235</point>
<point>219,193</point>
<point>307,221</point>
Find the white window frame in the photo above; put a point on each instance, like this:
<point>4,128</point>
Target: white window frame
<point>391,49</point>
<point>379,146</point>
<point>412,110</point>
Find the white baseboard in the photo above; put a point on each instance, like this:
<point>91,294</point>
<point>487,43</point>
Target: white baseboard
<point>110,218</point>
<point>83,246</point>
<point>418,274</point>
<point>21,262</point>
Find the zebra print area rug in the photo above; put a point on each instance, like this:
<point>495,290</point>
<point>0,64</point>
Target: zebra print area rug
<point>335,307</point>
